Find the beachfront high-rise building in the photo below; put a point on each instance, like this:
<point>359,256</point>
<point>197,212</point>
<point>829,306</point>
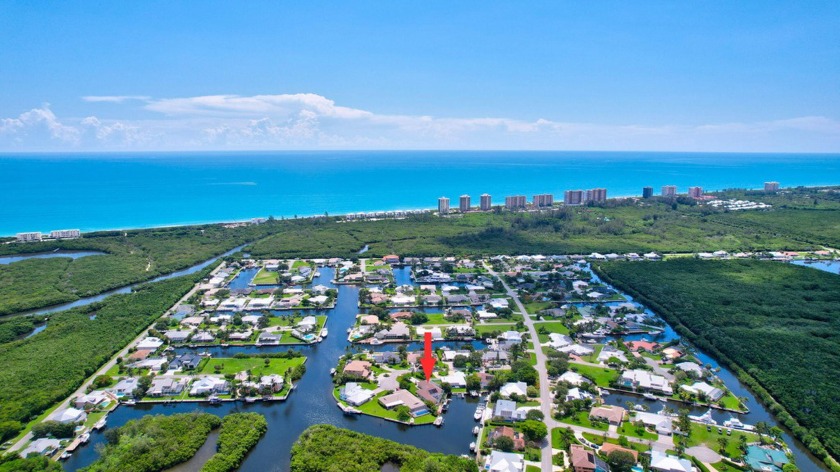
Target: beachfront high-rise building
<point>695,192</point>
<point>596,195</point>
<point>464,203</point>
<point>443,205</point>
<point>65,233</point>
<point>669,190</point>
<point>486,202</point>
<point>647,192</point>
<point>543,200</point>
<point>771,186</point>
<point>573,197</point>
<point>32,236</point>
<point>515,202</point>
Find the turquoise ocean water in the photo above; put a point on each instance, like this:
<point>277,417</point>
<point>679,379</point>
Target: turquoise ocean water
<point>108,191</point>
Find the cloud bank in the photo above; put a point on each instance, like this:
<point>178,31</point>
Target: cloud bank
<point>311,121</point>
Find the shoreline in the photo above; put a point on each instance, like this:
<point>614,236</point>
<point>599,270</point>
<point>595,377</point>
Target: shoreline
<point>248,220</point>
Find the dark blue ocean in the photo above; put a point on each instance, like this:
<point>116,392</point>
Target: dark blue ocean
<point>108,191</point>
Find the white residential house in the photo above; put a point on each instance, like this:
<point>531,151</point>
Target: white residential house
<point>209,385</point>
<point>151,343</point>
<point>509,339</point>
<point>71,415</point>
<point>518,388</point>
<point>354,394</point>
<point>504,462</point>
<point>643,380</point>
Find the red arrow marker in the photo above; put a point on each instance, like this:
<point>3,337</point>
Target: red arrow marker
<point>428,360</point>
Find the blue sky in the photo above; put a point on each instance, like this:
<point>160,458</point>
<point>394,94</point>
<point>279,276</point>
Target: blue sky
<point>704,76</point>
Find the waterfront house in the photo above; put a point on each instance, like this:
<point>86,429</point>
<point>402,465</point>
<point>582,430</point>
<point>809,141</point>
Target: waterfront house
<point>577,394</point>
<point>577,349</point>
<point>504,462</point>
<point>203,337</point>
<point>268,339</point>
<point>765,459</point>
<point>151,343</point>
<point>391,259</point>
<point>125,387</point>
<point>509,339</point>
<point>486,315</point>
<point>702,388</point>
<point>166,386</point>
<point>584,460</point>
<point>691,368</point>
<point>240,335</point>
<point>42,447</point>
<point>430,391</point>
<point>455,379</point>
<point>638,379</point>
<point>251,319</point>
<point>611,414</point>
<point>609,352</point>
<point>92,400</point>
<point>662,424</point>
<point>557,341</point>
<point>506,410</point>
<point>508,432</point>
<point>399,331</point>
<point>307,324</point>
<point>271,383</point>
<point>177,336</point>
<point>369,319</point>
<point>193,321</point>
<point>399,315</point>
<point>636,346</point>
<point>386,357</point>
<point>358,369</point>
<point>432,299</point>
<point>71,415</point>
<point>662,462</point>
<point>403,397</point>
<point>354,394</point>
<point>208,386</point>
<point>185,362</point>
<point>514,388</point>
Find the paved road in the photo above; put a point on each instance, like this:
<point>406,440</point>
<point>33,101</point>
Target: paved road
<point>545,389</point>
<point>108,365</point>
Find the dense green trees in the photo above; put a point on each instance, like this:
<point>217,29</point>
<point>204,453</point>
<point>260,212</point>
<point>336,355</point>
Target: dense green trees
<point>154,442</point>
<point>130,256</point>
<point>239,434</point>
<point>44,369</point>
<point>325,448</point>
<point>777,325</point>
<point>54,429</point>
<point>14,463</point>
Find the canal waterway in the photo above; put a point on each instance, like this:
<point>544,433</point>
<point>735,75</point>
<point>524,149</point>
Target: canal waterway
<point>49,255</point>
<point>312,401</point>
<point>125,289</point>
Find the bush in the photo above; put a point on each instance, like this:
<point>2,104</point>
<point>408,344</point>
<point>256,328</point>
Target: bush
<point>239,434</point>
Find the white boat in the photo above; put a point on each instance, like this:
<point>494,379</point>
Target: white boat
<point>479,413</point>
<point>438,421</point>
<point>84,438</point>
<point>100,424</point>
<point>65,455</point>
<point>324,332</point>
<point>332,371</point>
<point>649,396</point>
<point>129,402</point>
<point>472,446</point>
<point>476,430</point>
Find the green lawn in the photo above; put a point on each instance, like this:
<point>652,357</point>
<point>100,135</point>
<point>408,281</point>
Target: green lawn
<point>255,364</point>
<point>594,356</point>
<point>536,307</point>
<point>581,418</point>
<point>628,429</point>
<point>265,277</point>
<point>598,439</point>
<point>438,318</point>
<point>699,435</point>
<point>513,319</point>
<point>532,468</point>
<point>551,327</point>
<point>731,401</point>
<point>487,328</point>
<point>600,375</point>
<point>557,439</point>
<point>374,408</point>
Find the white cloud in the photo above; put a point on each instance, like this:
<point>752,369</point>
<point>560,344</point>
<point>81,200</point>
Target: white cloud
<point>310,121</point>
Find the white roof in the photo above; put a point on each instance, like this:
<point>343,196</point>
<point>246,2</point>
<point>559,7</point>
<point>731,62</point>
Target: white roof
<point>572,377</point>
<point>71,415</point>
<point>519,388</point>
<point>505,462</point>
<point>666,463</point>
